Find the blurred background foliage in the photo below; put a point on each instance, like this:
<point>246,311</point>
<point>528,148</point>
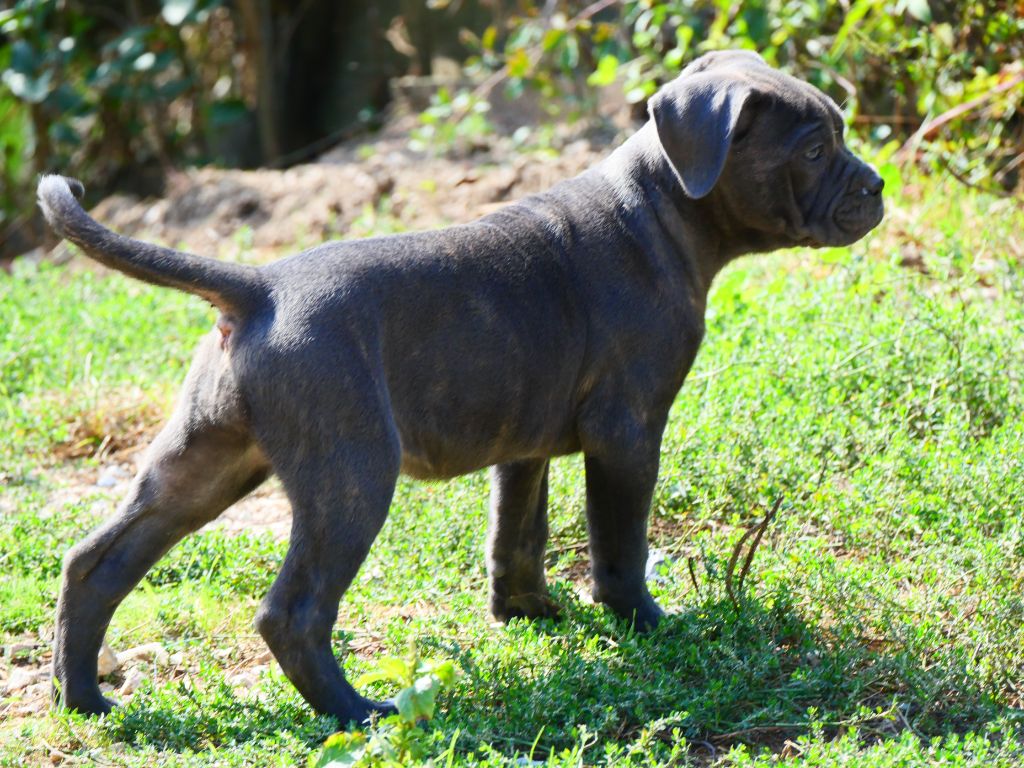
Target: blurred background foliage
<point>119,91</point>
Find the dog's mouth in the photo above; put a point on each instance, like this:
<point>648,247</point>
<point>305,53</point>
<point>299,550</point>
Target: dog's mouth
<point>853,217</point>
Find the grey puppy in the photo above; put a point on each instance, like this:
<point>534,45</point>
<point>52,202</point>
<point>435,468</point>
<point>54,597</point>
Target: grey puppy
<point>563,323</point>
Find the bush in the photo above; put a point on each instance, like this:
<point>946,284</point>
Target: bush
<point>948,74</point>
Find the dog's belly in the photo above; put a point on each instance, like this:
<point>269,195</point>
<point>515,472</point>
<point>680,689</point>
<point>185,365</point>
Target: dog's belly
<point>433,454</point>
<point>457,416</point>
<point>442,464</point>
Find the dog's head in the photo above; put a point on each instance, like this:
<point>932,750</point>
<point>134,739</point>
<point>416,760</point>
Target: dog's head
<point>769,150</point>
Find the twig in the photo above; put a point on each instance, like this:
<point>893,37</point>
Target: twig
<point>754,533</point>
<point>693,575</point>
<point>996,191</point>
<point>931,127</point>
<point>757,541</point>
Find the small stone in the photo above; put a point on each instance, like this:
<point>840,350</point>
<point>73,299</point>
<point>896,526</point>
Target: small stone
<point>106,687</point>
<point>176,659</point>
<point>262,658</point>
<point>657,561</point>
<point>132,680</point>
<point>23,677</point>
<point>111,476</point>
<point>245,679</point>
<point>149,652</point>
<point>107,662</point>
<point>19,648</point>
<point>585,596</point>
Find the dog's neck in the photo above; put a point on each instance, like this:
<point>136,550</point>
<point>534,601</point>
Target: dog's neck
<point>642,179</point>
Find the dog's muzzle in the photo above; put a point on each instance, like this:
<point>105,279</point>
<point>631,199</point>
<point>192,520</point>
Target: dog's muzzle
<point>861,208</point>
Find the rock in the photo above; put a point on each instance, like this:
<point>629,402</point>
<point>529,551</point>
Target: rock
<point>19,648</point>
<point>106,688</point>
<point>37,698</point>
<point>585,595</point>
<point>111,476</point>
<point>149,652</point>
<point>263,658</point>
<point>132,680</point>
<point>23,677</point>
<point>107,662</point>
<point>244,679</point>
<point>657,563</point>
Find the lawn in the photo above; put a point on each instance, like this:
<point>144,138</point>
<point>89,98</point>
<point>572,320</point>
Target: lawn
<point>873,396</point>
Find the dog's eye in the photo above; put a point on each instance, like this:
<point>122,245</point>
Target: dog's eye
<point>815,152</point>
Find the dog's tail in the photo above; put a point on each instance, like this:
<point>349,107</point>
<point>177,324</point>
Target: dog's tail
<point>232,288</point>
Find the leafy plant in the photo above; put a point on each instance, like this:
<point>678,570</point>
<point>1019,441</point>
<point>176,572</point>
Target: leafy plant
<point>397,740</point>
<point>945,77</point>
<point>456,123</point>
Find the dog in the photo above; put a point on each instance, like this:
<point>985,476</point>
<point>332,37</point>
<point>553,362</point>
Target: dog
<point>560,324</point>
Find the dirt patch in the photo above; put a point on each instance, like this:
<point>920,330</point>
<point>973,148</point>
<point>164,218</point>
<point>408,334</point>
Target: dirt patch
<point>265,509</point>
<point>353,191</point>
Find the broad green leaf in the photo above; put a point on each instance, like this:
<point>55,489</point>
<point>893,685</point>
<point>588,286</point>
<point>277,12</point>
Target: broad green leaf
<point>489,37</point>
<point>552,38</point>
<point>417,701</point>
<point>518,63</point>
<point>175,12</point>
<point>341,750</point>
<point>920,10</point>
<point>607,69</point>
<point>389,669</point>
<point>34,90</point>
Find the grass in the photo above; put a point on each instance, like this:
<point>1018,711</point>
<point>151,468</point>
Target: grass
<point>876,391</point>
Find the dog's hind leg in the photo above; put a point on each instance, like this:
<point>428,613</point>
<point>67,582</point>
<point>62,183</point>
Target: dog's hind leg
<point>202,462</point>
<point>517,537</point>
<point>340,479</point>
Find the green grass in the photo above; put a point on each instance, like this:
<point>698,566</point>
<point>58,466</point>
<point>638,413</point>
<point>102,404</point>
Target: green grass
<point>877,391</point>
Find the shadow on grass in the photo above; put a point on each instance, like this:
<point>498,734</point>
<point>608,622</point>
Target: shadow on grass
<point>759,676</point>
<point>175,718</point>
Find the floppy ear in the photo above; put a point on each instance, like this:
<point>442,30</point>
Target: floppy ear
<point>696,117</point>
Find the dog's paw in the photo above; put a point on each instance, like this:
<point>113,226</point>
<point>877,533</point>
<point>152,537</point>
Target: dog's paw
<point>531,605</point>
<point>643,613</point>
<point>84,702</point>
<point>375,710</point>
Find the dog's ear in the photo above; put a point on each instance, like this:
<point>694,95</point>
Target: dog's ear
<point>697,117</point>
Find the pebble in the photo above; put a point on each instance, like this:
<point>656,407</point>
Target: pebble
<point>23,677</point>
<point>107,662</point>
<point>656,560</point>
<point>245,679</point>
<point>132,680</point>
<point>148,652</point>
<point>111,476</point>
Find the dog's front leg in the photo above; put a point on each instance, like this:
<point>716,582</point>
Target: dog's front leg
<point>516,540</point>
<point>619,491</point>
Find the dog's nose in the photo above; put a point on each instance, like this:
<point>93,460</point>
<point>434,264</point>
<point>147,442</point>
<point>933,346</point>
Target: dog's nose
<point>873,184</point>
